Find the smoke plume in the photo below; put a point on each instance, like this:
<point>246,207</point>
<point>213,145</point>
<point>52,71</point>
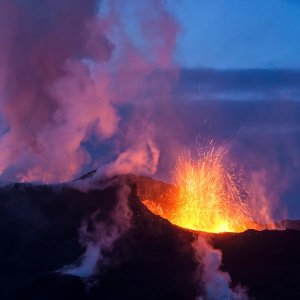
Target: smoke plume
<point>99,236</point>
<point>68,70</point>
<point>216,283</point>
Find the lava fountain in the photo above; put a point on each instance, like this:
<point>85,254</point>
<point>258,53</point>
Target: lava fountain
<point>207,195</point>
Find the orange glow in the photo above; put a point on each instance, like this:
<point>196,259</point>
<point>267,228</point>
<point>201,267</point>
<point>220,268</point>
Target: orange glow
<point>207,196</point>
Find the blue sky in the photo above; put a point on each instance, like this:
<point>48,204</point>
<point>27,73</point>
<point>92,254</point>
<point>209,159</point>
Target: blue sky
<point>226,34</point>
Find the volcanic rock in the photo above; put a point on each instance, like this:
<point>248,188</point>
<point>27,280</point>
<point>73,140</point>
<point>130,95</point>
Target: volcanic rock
<point>152,260</point>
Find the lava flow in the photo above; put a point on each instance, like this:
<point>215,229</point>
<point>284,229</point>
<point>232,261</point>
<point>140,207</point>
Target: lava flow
<point>207,196</point>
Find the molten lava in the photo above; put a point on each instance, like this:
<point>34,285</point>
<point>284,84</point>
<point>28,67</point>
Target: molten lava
<point>207,196</point>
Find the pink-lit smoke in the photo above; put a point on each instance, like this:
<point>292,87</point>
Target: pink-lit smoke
<point>66,70</point>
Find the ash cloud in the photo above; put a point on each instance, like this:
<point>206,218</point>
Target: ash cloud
<point>67,70</point>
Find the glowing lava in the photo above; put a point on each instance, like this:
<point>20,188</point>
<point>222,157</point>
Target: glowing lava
<point>207,196</point>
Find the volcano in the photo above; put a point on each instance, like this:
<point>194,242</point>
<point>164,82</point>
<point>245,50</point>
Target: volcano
<point>153,259</point>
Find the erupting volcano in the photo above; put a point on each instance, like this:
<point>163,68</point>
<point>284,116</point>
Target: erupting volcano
<point>99,198</point>
<point>207,195</point>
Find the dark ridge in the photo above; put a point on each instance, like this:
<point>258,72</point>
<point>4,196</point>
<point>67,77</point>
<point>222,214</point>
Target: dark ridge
<point>40,224</point>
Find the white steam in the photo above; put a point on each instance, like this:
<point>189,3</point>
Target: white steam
<point>102,238</point>
<point>215,282</point>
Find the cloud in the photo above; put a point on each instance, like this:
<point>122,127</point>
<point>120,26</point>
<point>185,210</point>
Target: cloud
<point>241,84</point>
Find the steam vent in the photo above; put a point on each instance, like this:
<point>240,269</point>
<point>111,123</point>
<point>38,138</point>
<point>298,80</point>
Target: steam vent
<point>62,243</point>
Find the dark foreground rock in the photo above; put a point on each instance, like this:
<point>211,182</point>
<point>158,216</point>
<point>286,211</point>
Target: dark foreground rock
<point>39,228</point>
